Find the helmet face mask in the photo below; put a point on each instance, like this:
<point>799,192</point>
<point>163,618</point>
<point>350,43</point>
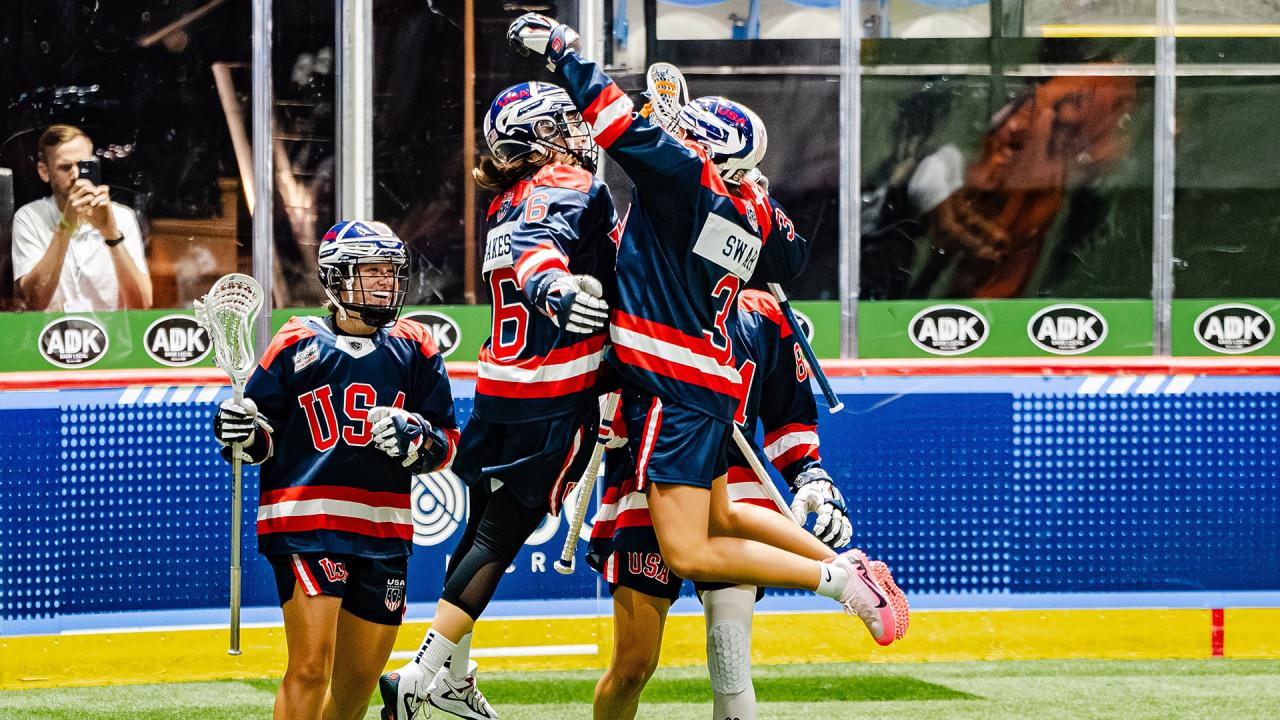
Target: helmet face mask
<point>732,134</point>
<point>364,269</point>
<point>534,120</point>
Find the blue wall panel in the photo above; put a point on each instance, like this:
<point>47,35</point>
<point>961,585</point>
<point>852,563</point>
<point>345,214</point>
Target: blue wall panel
<point>115,500</point>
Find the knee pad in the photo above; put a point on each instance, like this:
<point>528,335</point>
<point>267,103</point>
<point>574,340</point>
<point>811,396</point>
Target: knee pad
<point>729,657</point>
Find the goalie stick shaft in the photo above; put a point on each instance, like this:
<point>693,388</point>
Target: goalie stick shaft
<point>834,403</point>
<point>586,486</point>
<point>749,452</point>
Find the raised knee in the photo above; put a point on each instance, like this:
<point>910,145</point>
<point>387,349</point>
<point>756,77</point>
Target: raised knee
<point>690,563</point>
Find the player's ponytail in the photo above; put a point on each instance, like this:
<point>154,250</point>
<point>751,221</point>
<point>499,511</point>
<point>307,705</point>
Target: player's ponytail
<point>497,176</point>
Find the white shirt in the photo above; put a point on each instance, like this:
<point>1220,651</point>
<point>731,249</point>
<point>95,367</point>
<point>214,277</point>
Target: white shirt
<point>88,279</point>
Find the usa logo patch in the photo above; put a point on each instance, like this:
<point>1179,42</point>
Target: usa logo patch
<point>395,594</point>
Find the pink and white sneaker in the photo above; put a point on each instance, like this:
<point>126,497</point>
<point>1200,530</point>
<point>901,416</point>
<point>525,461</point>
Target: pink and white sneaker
<point>873,596</point>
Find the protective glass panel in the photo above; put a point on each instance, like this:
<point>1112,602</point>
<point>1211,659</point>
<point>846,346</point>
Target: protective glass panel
<point>141,82</point>
<point>1041,190</point>
<point>1226,232</point>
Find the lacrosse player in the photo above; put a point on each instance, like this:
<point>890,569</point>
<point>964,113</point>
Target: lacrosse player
<point>625,550</point>
<point>698,230</point>
<point>549,259</point>
<point>341,412</point>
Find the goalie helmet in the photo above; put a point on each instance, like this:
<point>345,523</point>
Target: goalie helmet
<point>343,250</point>
<point>732,134</point>
<point>537,116</point>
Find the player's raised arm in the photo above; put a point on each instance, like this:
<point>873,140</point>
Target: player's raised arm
<point>646,152</point>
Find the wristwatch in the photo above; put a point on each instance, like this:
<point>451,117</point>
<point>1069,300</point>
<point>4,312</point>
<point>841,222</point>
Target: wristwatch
<point>115,242</point>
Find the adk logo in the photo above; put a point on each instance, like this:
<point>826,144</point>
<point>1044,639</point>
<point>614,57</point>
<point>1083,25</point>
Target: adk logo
<point>1067,329</point>
<point>948,329</point>
<point>1234,328</point>
<point>176,341</point>
<point>73,342</point>
<point>444,329</point>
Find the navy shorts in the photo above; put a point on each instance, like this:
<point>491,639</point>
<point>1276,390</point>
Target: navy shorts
<point>372,590</point>
<point>631,559</point>
<point>538,461</point>
<point>675,445</point>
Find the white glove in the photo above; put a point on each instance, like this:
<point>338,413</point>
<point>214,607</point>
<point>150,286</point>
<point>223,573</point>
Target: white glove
<point>236,422</point>
<point>576,303</point>
<point>398,433</point>
<point>815,493</point>
<point>537,35</point>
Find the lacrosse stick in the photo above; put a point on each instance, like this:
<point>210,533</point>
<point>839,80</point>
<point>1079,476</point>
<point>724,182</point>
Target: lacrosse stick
<point>834,404</point>
<point>586,486</point>
<point>227,313</point>
<point>667,93</point>
<point>749,452</point>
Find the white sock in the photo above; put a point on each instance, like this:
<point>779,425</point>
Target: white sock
<point>460,659</point>
<point>832,581</point>
<point>435,649</point>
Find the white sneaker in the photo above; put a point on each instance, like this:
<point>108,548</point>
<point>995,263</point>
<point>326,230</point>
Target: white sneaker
<point>865,597</point>
<point>404,693</point>
<point>461,697</point>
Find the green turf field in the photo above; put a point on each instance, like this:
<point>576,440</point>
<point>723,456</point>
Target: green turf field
<point>1033,690</point>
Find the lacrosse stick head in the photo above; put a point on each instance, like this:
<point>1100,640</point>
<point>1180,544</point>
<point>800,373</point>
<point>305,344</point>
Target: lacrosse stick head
<point>226,312</point>
<point>667,92</point>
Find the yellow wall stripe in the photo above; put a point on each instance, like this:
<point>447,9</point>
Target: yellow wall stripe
<point>1151,30</point>
<point>187,655</point>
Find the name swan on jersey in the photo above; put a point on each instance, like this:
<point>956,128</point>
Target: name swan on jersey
<point>497,247</point>
<point>728,245</point>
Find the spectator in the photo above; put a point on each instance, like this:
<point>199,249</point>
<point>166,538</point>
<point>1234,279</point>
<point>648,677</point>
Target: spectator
<point>76,250</point>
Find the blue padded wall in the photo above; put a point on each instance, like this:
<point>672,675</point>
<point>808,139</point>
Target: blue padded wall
<point>113,502</point>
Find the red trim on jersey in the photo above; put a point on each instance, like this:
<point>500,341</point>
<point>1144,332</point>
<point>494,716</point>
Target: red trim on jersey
<point>542,257</point>
<point>303,575</point>
<point>611,97</point>
<point>764,303</point>
<point>452,434</point>
<point>795,454</point>
<point>357,526</point>
<point>517,192</point>
<point>648,436</point>
<point>336,492</point>
<point>417,332</point>
<point>560,175</point>
<point>553,498</point>
<point>541,390</point>
<point>676,371</point>
<point>544,388</point>
<point>749,195</point>
<point>774,435</point>
<point>292,333</point>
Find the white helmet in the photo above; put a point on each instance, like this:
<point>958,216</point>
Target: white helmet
<point>732,134</point>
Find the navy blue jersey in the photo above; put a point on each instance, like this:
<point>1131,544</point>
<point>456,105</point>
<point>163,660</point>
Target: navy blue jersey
<point>689,246</point>
<point>777,394</point>
<point>325,486</point>
<point>560,220</point>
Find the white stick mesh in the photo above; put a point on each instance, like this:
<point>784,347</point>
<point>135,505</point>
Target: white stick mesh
<point>227,313</point>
